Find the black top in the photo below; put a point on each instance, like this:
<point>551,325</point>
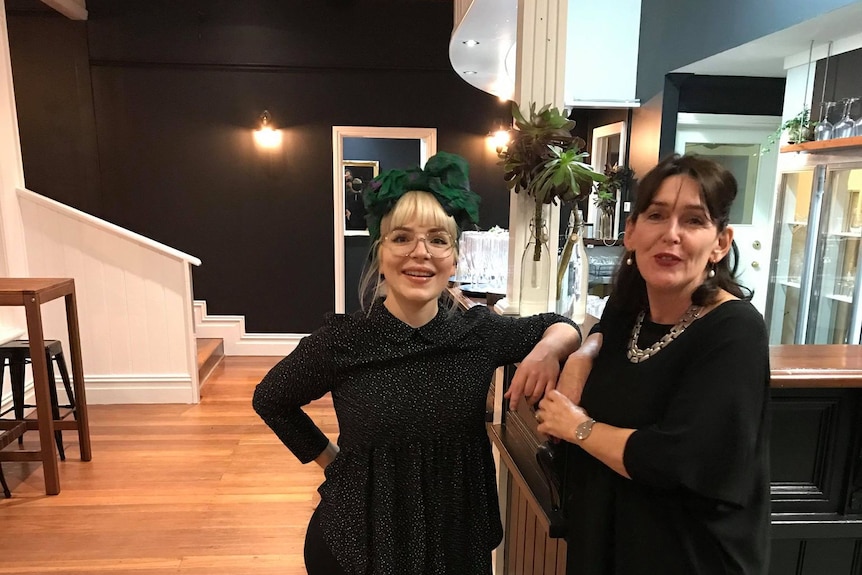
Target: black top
<point>413,489</point>
<point>698,500</point>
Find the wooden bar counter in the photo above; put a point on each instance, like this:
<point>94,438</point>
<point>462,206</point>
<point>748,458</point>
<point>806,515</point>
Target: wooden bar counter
<point>816,459</point>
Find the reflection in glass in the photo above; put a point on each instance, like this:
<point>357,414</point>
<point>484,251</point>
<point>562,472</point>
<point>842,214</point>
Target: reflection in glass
<point>357,174</point>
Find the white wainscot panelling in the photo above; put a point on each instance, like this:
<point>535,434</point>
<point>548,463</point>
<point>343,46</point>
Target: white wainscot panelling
<point>134,303</point>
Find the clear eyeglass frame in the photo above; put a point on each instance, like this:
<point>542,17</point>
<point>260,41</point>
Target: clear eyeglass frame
<point>402,243</point>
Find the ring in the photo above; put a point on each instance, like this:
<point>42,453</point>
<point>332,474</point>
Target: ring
<point>536,415</point>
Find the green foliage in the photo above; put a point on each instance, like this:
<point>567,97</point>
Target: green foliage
<point>545,161</point>
<point>798,130</point>
<point>617,178</point>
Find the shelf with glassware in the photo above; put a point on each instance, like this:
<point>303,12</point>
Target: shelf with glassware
<point>825,145</point>
<point>815,280</point>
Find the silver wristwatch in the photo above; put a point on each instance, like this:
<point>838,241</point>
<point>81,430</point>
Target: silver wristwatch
<point>583,430</point>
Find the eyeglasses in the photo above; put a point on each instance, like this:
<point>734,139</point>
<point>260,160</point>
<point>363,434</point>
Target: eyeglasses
<point>403,243</point>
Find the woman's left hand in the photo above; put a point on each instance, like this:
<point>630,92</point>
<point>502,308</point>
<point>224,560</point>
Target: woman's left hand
<point>559,417</point>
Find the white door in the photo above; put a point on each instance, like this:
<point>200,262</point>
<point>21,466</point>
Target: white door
<point>740,144</point>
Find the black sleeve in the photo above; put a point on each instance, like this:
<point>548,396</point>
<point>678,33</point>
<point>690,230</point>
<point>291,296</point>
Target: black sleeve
<point>301,377</point>
<point>509,338</point>
<point>708,439</point>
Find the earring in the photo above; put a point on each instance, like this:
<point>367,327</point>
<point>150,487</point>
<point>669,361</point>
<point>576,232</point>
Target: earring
<point>629,261</point>
<point>711,272</point>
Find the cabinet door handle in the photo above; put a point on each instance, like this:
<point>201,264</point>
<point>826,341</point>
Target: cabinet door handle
<point>755,265</point>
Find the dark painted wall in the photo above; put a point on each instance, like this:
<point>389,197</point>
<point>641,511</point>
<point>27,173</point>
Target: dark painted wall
<point>51,73</point>
<point>177,88</point>
<point>675,33</point>
<point>741,95</point>
<point>843,80</point>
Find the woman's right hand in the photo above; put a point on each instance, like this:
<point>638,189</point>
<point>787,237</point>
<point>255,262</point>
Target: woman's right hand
<point>327,456</point>
<point>574,374</point>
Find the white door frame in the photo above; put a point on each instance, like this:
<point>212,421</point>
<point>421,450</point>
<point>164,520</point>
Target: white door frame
<point>427,147</point>
<point>741,129</point>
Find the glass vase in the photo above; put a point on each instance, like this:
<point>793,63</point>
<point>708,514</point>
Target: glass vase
<point>606,224</point>
<point>535,272</point>
<point>573,273</point>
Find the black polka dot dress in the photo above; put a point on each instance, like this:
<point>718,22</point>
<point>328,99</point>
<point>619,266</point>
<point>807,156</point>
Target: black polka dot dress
<point>413,489</point>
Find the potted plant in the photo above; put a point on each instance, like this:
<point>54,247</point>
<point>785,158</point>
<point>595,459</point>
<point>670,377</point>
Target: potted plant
<point>798,129</point>
<point>545,161</point>
<point>617,178</point>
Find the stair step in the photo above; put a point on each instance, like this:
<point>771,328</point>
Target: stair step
<point>210,354</point>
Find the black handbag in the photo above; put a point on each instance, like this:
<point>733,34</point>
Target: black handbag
<point>551,457</point>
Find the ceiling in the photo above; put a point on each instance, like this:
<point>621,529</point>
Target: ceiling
<point>490,64</point>
<point>771,55</point>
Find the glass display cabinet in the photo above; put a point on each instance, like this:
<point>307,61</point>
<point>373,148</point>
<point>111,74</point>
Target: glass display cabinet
<point>815,280</point>
<point>790,238</point>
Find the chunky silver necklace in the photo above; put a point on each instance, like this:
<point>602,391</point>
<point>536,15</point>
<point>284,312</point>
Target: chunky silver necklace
<point>637,355</point>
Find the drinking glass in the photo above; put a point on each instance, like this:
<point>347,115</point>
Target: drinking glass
<point>846,127</point>
<point>823,129</point>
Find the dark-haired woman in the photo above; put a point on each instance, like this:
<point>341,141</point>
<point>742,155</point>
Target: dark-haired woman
<point>668,468</point>
<point>411,487</point>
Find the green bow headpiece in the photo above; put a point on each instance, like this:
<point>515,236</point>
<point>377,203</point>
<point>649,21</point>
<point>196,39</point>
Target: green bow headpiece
<point>444,176</point>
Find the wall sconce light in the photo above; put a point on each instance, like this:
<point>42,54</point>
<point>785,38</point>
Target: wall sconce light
<point>266,136</point>
<point>499,137</point>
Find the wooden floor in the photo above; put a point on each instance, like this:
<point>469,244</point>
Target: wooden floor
<point>201,489</point>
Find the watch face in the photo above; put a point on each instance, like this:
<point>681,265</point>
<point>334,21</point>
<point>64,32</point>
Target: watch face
<point>584,429</point>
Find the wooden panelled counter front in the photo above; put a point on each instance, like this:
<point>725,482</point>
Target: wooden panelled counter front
<point>816,458</point>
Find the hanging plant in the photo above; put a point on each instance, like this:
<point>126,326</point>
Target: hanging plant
<point>617,179</point>
<point>545,161</point>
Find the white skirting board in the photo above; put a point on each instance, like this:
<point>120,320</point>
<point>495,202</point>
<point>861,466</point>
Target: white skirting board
<point>231,329</point>
<point>114,389</point>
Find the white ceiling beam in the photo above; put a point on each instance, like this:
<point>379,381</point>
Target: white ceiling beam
<point>72,9</point>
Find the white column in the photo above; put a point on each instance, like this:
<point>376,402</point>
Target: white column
<point>13,255</point>
<point>539,78</point>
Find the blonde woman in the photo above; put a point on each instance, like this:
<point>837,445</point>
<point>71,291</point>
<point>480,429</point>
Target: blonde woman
<point>410,488</point>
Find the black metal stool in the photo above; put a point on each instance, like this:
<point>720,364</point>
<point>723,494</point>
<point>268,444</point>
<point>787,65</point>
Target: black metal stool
<point>7,436</point>
<point>16,354</point>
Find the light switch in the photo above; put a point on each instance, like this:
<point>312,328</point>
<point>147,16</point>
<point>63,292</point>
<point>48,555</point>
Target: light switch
<point>627,206</point>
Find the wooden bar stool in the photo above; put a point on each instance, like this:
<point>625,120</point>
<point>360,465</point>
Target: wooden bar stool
<point>7,436</point>
<point>16,354</point>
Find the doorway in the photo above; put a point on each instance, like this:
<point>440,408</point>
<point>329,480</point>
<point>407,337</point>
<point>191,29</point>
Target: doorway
<point>382,149</point>
<point>738,142</point>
